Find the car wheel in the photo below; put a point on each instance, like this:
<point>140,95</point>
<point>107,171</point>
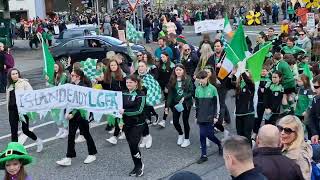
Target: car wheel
<point>64,61</point>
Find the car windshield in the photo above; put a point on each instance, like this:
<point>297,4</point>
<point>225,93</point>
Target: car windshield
<point>113,41</point>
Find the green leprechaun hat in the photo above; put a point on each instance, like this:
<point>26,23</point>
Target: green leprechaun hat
<point>14,151</point>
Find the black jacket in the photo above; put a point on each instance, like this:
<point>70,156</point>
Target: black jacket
<point>273,99</point>
<point>244,97</point>
<point>252,174</point>
<point>164,77</point>
<point>274,165</point>
<point>190,63</point>
<point>314,117</point>
<point>133,105</point>
<point>114,85</point>
<point>2,60</point>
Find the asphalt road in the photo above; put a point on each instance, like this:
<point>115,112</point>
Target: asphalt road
<point>113,162</point>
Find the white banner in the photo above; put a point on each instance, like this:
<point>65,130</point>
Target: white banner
<point>208,25</point>
<point>69,96</point>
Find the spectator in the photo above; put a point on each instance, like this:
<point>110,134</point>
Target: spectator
<point>147,24</point>
<point>314,121</point>
<point>185,175</point>
<point>304,42</point>
<point>2,69</point>
<point>9,61</point>
<point>237,155</point>
<point>294,146</point>
<point>267,156</point>
<point>275,13</point>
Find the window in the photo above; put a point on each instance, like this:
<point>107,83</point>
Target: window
<point>75,43</point>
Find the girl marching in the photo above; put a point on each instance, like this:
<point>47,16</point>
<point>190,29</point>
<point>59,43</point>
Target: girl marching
<point>78,119</point>
<point>16,83</point>
<point>133,105</point>
<point>180,101</point>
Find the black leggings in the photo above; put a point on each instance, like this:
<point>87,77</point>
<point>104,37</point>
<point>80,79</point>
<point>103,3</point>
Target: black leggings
<point>258,120</point>
<point>133,136</point>
<point>244,126</point>
<point>14,123</point>
<point>83,125</point>
<point>150,111</point>
<point>165,102</point>
<point>185,118</point>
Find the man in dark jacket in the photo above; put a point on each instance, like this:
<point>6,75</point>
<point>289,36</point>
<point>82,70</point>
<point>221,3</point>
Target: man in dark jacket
<point>189,59</point>
<point>237,155</point>
<point>314,117</point>
<point>147,27</point>
<point>268,159</point>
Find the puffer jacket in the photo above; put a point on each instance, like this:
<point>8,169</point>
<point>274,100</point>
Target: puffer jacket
<point>20,85</point>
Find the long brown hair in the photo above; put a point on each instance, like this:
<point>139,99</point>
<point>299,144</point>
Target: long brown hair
<point>57,75</point>
<point>150,59</point>
<point>173,77</point>
<point>166,63</point>
<point>108,73</point>
<point>10,81</point>
<point>306,81</point>
<point>22,174</point>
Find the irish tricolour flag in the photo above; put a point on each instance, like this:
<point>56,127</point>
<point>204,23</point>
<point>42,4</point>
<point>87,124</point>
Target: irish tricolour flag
<point>229,62</point>
<point>227,27</point>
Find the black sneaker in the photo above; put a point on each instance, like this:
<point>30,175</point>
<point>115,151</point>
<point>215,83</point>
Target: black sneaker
<point>220,151</point>
<point>108,127</point>
<point>139,171</point>
<point>133,172</point>
<point>202,159</point>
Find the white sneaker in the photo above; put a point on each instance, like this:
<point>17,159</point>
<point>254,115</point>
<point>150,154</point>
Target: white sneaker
<point>39,145</point>
<point>64,134</point>
<point>60,131</point>
<point>143,142</point>
<point>171,121</point>
<point>208,142</point>
<point>111,131</point>
<point>122,136</point>
<point>64,162</point>
<point>185,143</point>
<point>113,140</point>
<point>162,123</point>
<point>148,141</point>
<point>180,139</point>
<point>90,159</point>
<point>156,121</point>
<point>80,139</point>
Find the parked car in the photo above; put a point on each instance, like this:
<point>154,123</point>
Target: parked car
<point>94,47</point>
<point>75,32</point>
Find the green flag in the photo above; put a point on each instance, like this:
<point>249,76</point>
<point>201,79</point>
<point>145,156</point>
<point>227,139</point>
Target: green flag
<point>239,43</point>
<point>307,71</point>
<point>132,34</point>
<point>255,62</point>
<point>89,67</point>
<point>48,68</point>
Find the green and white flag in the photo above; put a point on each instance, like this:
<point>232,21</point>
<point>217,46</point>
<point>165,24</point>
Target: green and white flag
<point>132,34</point>
<point>89,67</point>
<point>239,43</point>
<point>154,94</point>
<point>255,62</point>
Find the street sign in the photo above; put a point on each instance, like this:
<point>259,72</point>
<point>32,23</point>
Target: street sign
<point>311,21</point>
<point>133,4</point>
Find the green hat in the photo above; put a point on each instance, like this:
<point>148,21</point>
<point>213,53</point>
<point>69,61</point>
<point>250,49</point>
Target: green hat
<point>14,151</point>
<point>181,39</point>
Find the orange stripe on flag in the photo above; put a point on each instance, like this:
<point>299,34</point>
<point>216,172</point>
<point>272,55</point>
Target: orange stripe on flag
<point>223,73</point>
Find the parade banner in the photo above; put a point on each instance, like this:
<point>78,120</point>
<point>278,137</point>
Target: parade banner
<point>69,96</point>
<point>311,21</point>
<point>208,25</point>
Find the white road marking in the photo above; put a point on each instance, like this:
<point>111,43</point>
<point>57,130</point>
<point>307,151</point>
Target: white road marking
<point>54,138</point>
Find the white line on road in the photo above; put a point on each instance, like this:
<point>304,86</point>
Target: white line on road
<point>54,138</point>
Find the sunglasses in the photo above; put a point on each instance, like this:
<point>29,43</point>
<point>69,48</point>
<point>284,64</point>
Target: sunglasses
<point>286,130</point>
<point>301,34</point>
<point>187,49</point>
<point>316,87</point>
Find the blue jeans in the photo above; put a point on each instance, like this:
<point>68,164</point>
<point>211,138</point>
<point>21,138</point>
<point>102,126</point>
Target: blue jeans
<point>206,131</point>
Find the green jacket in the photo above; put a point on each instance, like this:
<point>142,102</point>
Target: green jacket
<point>292,50</point>
<point>304,100</point>
<point>207,103</point>
<point>182,89</point>
<point>287,75</point>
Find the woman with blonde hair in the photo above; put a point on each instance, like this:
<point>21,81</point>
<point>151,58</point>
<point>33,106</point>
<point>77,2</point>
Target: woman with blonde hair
<point>293,144</point>
<point>206,58</point>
